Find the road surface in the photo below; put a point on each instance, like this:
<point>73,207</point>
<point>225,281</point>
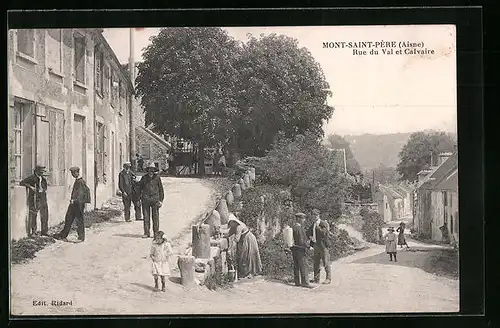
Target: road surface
<point>109,274</point>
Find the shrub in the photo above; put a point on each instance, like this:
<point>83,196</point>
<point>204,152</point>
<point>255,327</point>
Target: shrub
<point>218,281</point>
<point>341,244</point>
<point>372,227</point>
<point>277,263</point>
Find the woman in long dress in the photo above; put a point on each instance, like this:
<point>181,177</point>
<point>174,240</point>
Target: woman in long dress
<point>248,259</point>
<point>401,235</point>
<point>390,244</point>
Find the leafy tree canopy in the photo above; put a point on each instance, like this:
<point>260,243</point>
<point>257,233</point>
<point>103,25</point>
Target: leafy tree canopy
<point>421,151</point>
<point>309,168</point>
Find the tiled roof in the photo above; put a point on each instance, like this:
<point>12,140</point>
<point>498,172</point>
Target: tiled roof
<point>442,171</point>
<point>389,191</point>
<point>449,182</point>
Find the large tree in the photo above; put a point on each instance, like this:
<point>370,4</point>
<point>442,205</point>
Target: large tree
<point>421,151</point>
<point>186,84</point>
<point>334,141</point>
<point>281,89</point>
<point>309,169</point>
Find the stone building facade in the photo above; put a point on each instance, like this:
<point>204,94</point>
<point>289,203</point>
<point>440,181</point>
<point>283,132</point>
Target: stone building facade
<point>58,110</point>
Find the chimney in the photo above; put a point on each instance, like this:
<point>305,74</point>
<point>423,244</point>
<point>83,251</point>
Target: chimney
<point>443,157</point>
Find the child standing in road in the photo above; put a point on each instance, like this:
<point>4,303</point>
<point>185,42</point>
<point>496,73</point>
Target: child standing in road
<point>161,250</point>
<point>390,244</point>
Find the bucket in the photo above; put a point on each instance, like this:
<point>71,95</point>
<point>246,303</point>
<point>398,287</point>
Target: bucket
<point>232,275</point>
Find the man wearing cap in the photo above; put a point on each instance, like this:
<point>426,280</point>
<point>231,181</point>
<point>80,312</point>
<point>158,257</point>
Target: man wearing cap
<point>37,200</point>
<point>152,197</point>
<point>319,234</point>
<point>80,195</point>
<point>300,245</point>
<point>126,180</point>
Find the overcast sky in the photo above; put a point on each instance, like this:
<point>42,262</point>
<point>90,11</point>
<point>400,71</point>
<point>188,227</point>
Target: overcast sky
<point>371,94</point>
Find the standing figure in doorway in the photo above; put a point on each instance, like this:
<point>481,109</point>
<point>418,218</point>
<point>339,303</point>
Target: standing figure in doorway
<point>152,198</point>
<point>140,162</point>
<point>136,197</point>
<point>80,196</point>
<point>37,200</point>
<point>390,244</point>
<point>125,184</point>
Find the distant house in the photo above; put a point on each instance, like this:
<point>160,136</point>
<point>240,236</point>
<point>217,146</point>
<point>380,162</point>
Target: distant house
<point>152,147</point>
<point>390,203</point>
<point>406,190</point>
<point>437,199</point>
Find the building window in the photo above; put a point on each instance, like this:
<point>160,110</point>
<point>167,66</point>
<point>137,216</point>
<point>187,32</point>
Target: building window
<point>55,50</point>
<point>114,89</point>
<point>101,152</point>
<point>121,154</point>
<point>26,42</point>
<point>56,166</point>
<point>106,79</point>
<point>120,96</point>
<point>22,140</point>
<point>386,206</point>
<point>98,72</point>
<point>79,58</point>
<point>146,151</point>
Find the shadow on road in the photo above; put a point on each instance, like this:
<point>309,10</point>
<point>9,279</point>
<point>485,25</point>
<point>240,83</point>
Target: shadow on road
<point>442,262</point>
<point>175,280</point>
<point>129,235</point>
<point>150,288</point>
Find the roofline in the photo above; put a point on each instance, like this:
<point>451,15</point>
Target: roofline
<point>157,137</point>
<point>102,40</point>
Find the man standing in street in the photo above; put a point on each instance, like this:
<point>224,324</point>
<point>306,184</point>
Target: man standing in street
<point>300,245</point>
<point>80,196</point>
<point>37,200</point>
<point>126,179</point>
<point>152,198</point>
<point>319,235</point>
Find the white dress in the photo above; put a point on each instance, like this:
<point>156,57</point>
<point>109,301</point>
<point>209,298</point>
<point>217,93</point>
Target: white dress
<point>160,254</point>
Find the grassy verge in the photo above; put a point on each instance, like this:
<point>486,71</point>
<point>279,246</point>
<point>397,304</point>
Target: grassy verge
<point>24,249</point>
<point>443,263</point>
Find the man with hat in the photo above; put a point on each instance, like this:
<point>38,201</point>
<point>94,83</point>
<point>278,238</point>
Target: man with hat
<point>152,198</point>
<point>80,195</point>
<point>37,200</point>
<point>319,234</point>
<point>126,180</point>
<point>300,245</point>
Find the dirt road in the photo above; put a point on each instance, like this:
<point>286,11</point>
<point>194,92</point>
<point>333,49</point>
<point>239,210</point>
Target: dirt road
<point>109,274</point>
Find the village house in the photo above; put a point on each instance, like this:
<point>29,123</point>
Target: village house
<point>69,105</point>
<point>406,190</point>
<point>437,199</point>
<point>390,203</point>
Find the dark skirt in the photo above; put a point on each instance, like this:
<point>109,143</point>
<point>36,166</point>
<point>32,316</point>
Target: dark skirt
<point>401,239</point>
<point>248,256</point>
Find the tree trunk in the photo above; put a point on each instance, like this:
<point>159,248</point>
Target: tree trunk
<point>201,241</point>
<point>201,159</point>
<point>186,267</point>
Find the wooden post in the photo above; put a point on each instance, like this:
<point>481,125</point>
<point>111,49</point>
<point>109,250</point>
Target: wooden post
<point>186,267</point>
<point>201,241</point>
<point>230,198</point>
<point>242,184</point>
<point>246,179</point>
<point>252,173</point>
<point>223,211</point>
<point>214,222</point>
<point>237,191</point>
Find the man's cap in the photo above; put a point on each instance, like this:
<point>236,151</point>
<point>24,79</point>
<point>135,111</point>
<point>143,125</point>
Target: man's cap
<point>40,167</point>
<point>300,214</point>
<point>315,211</point>
<point>151,167</point>
<point>74,169</point>
<point>127,164</point>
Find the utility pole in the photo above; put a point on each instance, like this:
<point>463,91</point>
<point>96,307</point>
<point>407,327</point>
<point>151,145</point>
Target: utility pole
<point>131,68</point>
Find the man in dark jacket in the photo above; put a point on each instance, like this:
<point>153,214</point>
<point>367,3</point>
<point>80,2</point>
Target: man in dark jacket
<point>319,235</point>
<point>300,245</point>
<point>37,200</point>
<point>126,180</point>
<point>152,198</point>
<point>80,195</point>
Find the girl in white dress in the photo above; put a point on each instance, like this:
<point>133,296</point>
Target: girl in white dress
<point>161,250</point>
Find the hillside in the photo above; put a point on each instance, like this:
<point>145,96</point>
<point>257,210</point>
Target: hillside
<point>371,150</point>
